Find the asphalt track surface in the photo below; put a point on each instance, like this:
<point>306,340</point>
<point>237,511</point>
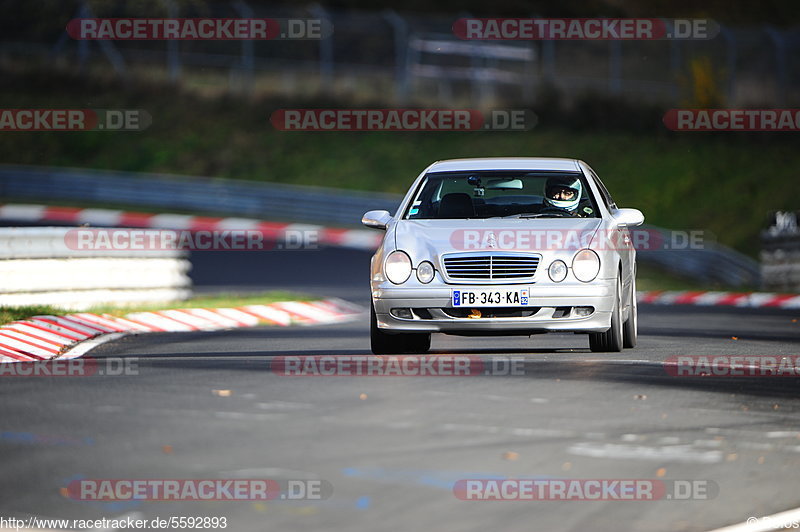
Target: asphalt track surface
<point>393,447</point>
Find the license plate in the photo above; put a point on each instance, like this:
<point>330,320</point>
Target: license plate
<point>491,297</point>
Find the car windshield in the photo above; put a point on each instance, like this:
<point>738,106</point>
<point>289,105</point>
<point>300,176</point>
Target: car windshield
<point>507,194</point>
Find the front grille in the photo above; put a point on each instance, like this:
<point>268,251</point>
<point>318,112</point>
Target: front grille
<point>490,267</point>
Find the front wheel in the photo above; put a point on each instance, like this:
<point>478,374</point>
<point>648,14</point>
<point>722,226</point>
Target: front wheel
<point>611,340</point>
<point>382,343</point>
<point>630,330</point>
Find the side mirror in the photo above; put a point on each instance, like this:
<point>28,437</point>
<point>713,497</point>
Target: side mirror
<point>376,219</point>
<point>629,217</point>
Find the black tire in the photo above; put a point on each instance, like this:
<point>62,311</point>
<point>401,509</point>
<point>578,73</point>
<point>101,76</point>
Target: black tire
<point>611,340</point>
<point>630,329</point>
<point>383,343</point>
<point>597,342</point>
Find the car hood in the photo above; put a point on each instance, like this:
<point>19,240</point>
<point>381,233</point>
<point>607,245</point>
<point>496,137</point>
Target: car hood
<point>432,238</point>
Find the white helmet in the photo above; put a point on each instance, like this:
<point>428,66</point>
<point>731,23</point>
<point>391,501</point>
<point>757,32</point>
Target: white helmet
<point>557,185</point>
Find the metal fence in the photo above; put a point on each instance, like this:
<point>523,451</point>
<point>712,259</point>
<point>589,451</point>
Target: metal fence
<point>387,56</point>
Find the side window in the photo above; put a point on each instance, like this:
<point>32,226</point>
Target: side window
<point>603,192</point>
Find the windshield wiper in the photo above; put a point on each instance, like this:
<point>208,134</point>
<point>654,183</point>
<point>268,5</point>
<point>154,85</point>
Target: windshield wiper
<point>535,215</point>
<point>547,215</point>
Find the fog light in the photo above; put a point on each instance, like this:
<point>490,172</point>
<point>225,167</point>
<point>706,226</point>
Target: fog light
<point>583,311</point>
<point>404,313</point>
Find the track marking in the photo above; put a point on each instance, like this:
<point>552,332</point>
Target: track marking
<point>677,453</point>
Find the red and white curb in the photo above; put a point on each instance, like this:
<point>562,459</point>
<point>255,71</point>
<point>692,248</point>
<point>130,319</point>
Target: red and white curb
<point>69,336</point>
<point>721,299</point>
<point>272,231</point>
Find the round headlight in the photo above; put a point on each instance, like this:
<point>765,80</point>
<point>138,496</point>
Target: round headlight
<point>586,265</point>
<point>425,272</point>
<point>397,267</point>
<point>557,271</point>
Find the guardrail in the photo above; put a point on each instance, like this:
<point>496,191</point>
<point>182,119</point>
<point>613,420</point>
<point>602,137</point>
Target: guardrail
<point>37,267</point>
<point>713,263</point>
<point>270,201</point>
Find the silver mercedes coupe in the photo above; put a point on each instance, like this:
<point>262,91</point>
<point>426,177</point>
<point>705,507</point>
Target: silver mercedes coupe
<point>504,246</point>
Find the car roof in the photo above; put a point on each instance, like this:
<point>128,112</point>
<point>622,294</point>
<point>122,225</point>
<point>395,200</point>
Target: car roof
<point>506,163</point>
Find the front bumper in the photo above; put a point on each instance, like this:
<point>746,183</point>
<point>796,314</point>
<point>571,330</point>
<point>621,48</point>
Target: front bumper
<point>544,300</point>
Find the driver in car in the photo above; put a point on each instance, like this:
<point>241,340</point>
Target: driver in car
<point>564,194</point>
